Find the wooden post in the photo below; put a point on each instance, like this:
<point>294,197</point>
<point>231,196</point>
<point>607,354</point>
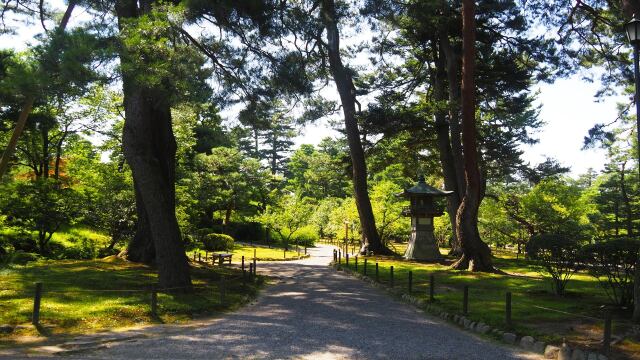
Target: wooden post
<point>285,253</point>
<point>465,300</point>
<point>346,258</point>
<point>377,273</point>
<point>410,281</point>
<point>220,260</point>
<point>255,266</point>
<point>194,256</point>
<point>250,269</point>
<point>254,253</point>
<point>356,263</point>
<point>206,256</point>
<point>391,275</point>
<point>35,320</point>
<point>199,257</point>
<point>339,257</point>
<point>154,301</point>
<point>432,285</point>
<point>365,266</point>
<point>242,262</point>
<point>606,344</point>
<point>508,309</point>
<point>305,249</point>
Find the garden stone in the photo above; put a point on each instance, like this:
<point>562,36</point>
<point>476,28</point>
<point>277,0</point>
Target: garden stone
<point>485,329</point>
<point>527,342</point>
<point>472,325</point>
<point>509,338</point>
<point>6,329</point>
<point>551,352</point>
<point>539,347</point>
<point>578,355</point>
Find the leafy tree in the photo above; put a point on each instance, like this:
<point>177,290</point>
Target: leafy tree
<point>555,207</point>
<point>559,256</point>
<point>42,206</point>
<point>289,216</point>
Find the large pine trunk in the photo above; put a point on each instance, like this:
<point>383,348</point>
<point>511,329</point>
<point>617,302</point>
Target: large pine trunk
<point>150,149</point>
<point>447,161</point>
<point>346,89</point>
<point>476,255</point>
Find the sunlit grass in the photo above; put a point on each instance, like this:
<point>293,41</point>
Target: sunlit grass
<point>261,253</point>
<point>531,291</point>
<point>78,296</point>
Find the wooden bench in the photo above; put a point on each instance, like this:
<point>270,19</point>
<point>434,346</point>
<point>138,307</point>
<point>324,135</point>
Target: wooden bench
<point>223,257</point>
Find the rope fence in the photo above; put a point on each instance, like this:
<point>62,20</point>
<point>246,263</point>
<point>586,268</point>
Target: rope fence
<point>39,291</point>
<point>391,281</point>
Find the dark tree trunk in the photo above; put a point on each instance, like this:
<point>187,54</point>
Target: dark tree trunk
<point>150,148</point>
<point>346,89</point>
<point>141,248</point>
<point>444,148</point>
<point>476,254</point>
<point>45,152</point>
<point>452,61</point>
<point>627,203</point>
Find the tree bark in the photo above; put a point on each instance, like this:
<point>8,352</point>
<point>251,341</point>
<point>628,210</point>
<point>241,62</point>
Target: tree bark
<point>346,89</point>
<point>150,149</point>
<point>447,161</point>
<point>476,254</point>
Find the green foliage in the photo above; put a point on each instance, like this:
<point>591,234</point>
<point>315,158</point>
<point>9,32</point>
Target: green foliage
<point>218,242</point>
<point>42,206</point>
<point>554,206</point>
<point>307,236</point>
<point>613,263</point>
<point>558,255</point>
<point>290,215</point>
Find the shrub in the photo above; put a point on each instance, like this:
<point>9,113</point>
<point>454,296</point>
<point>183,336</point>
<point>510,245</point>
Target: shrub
<point>558,255</point>
<point>613,264</point>
<point>306,236</point>
<point>21,241</point>
<point>82,249</point>
<point>247,232</point>
<point>218,242</point>
<point>21,258</point>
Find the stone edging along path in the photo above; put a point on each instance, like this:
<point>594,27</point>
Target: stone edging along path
<point>528,343</point>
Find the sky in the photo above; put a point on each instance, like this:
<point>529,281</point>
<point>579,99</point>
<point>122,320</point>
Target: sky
<point>567,107</point>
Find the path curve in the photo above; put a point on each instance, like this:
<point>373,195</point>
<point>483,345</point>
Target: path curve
<point>314,312</point>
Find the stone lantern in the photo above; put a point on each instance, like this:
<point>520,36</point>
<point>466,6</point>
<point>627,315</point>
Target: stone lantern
<point>422,245</point>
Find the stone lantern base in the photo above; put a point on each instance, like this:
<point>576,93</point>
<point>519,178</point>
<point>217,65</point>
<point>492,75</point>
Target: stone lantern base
<point>423,246</point>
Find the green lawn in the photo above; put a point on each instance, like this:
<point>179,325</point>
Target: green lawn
<point>262,253</point>
<point>79,296</point>
<point>530,293</point>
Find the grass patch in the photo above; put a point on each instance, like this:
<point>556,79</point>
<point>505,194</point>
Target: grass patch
<point>530,291</point>
<point>78,297</point>
<point>262,253</point>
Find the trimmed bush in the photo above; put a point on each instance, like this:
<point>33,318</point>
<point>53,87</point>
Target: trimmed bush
<point>613,263</point>
<point>558,255</point>
<point>218,242</point>
<point>306,236</point>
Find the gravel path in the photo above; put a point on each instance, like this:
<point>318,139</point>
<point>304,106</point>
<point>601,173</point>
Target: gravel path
<point>314,312</point>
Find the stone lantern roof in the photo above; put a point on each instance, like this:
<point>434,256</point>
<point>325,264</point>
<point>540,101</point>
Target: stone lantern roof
<point>422,189</point>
